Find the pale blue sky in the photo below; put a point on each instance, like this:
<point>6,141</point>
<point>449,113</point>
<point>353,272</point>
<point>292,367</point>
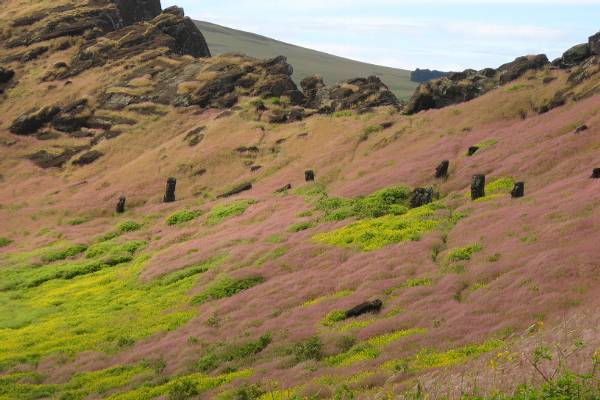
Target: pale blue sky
<point>441,34</point>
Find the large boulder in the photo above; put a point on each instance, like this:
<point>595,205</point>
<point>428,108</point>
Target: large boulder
<point>356,94</point>
<point>594,44</point>
<point>30,122</point>
<point>514,70</point>
<point>574,56</point>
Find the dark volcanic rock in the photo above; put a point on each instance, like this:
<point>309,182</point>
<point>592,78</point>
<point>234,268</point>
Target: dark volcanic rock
<point>477,187</point>
<point>6,75</point>
<point>442,170</point>
<point>30,122</point>
<point>421,197</point>
<point>73,117</point>
<point>170,190</point>
<point>355,94</point>
<point>596,173</point>
<point>121,205</point>
<point>238,189</point>
<point>195,136</point>
<point>309,176</point>
<point>472,150</point>
<point>45,159</point>
<point>132,11</point>
<point>518,190</point>
<point>594,44</point>
<point>424,75</point>
<point>459,87</point>
<point>284,188</point>
<point>574,56</point>
<point>88,158</point>
<point>582,128</point>
<point>364,308</point>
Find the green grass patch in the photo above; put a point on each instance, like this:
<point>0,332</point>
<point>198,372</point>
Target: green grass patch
<point>486,143</point>
<point>336,295</point>
<point>427,359</point>
<point>219,354</point>
<point>501,185</point>
<point>371,348</point>
<point>101,310</point>
<point>301,226</point>
<point>128,226</point>
<point>63,253</point>
<point>191,270</point>
<point>311,190</point>
<point>342,114</point>
<point>372,234</point>
<point>222,212</point>
<point>182,216</point>
<point>333,317</point>
<point>4,241</point>
<point>226,287</point>
<point>463,253</point>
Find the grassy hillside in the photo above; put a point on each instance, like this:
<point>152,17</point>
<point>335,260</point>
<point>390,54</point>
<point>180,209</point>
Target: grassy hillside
<point>245,297</point>
<point>305,61</point>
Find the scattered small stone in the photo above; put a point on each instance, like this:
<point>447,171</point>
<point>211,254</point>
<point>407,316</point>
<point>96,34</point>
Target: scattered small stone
<point>442,170</point>
<point>472,150</point>
<point>170,191</point>
<point>364,308</point>
<point>596,173</point>
<point>255,168</point>
<point>477,187</point>
<point>238,189</point>
<point>309,176</point>
<point>421,197</point>
<point>195,136</point>
<point>518,190</point>
<point>284,189</point>
<point>582,128</point>
<point>6,75</point>
<point>121,205</point>
<point>386,125</point>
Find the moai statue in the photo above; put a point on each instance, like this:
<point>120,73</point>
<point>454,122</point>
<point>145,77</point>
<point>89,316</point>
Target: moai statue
<point>518,190</point>
<point>472,150</point>
<point>121,205</point>
<point>442,170</point>
<point>596,173</point>
<point>477,186</point>
<point>170,192</point>
<point>309,175</point>
<point>420,197</point>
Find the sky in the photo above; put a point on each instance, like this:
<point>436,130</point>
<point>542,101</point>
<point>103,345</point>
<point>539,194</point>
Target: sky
<point>448,35</point>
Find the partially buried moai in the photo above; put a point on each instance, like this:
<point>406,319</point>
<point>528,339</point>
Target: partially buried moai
<point>421,197</point>
<point>477,186</point>
<point>596,173</point>
<point>518,190</point>
<point>170,191</point>
<point>442,170</point>
<point>309,175</point>
<point>121,205</point>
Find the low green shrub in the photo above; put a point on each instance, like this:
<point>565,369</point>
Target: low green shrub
<point>309,349</point>
<point>128,226</point>
<point>182,216</point>
<point>333,317</point>
<point>63,253</point>
<point>226,287</point>
<point>301,226</point>
<point>219,354</point>
<point>5,241</point>
<point>463,253</point>
<point>223,211</point>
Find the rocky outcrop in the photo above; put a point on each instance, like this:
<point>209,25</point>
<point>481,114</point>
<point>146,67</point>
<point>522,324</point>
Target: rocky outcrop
<point>364,308</point>
<point>88,158</point>
<point>458,87</point>
<point>424,75</point>
<point>354,94</point>
<point>177,34</point>
<point>132,11</point>
<point>55,158</point>
<point>30,122</point>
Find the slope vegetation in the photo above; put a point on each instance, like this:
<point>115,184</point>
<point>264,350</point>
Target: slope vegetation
<point>256,283</point>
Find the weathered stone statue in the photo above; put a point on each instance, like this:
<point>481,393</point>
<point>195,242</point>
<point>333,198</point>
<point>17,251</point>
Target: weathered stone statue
<point>518,190</point>
<point>284,188</point>
<point>442,170</point>
<point>596,173</point>
<point>477,186</point>
<point>368,307</point>
<point>309,175</point>
<point>420,197</point>
<point>121,205</point>
<point>170,192</point>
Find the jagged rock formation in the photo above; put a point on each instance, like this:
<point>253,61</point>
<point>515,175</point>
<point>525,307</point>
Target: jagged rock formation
<point>458,87</point>
<point>424,75</point>
<point>132,11</point>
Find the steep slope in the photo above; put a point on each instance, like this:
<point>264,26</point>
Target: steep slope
<point>246,295</point>
<point>306,62</point>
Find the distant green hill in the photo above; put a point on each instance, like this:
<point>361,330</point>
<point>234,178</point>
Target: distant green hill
<point>305,61</point>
